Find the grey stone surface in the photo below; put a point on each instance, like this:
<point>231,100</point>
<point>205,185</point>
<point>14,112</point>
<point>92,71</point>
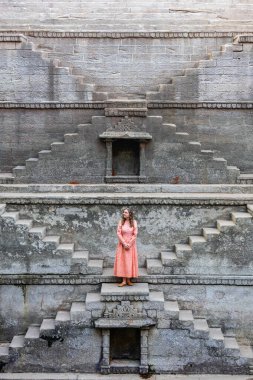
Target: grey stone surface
<point>119,15</point>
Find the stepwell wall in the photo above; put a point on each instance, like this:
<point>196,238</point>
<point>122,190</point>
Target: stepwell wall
<point>225,306</point>
<point>128,15</point>
<point>93,227</point>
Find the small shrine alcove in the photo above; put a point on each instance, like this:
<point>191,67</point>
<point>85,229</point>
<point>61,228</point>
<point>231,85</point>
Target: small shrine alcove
<point>125,161</point>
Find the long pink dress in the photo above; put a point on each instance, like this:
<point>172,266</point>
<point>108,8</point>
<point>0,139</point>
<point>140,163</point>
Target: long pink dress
<point>126,261</point>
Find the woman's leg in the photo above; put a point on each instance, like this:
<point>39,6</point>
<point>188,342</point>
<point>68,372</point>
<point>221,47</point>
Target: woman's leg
<point>129,282</point>
<point>124,282</point>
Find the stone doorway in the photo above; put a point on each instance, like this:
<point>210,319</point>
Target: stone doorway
<point>125,344</point>
<point>125,158</point>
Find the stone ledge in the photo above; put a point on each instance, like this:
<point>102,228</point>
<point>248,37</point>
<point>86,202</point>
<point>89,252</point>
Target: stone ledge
<point>105,105</point>
<point>106,323</point>
<point>124,34</point>
<point>127,188</point>
<point>127,198</point>
<point>150,279</point>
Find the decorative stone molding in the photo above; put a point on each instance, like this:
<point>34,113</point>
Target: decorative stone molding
<point>121,112</point>
<point>126,34</point>
<point>12,38</point>
<point>208,105</point>
<point>137,113</point>
<point>243,39</point>
<point>151,279</point>
<point>138,199</point>
<point>124,310</point>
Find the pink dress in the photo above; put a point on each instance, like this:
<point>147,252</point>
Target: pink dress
<point>126,261</point>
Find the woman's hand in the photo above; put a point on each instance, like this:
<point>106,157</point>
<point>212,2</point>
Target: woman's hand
<point>126,246</point>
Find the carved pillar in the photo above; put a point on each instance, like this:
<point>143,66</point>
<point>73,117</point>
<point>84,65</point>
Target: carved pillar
<point>142,161</point>
<point>144,351</point>
<point>109,157</point>
<point>105,365</point>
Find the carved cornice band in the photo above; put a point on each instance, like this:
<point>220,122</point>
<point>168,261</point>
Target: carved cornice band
<point>125,200</point>
<point>126,34</point>
<point>150,105</point>
<point>157,279</point>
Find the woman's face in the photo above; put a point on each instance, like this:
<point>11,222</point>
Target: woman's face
<point>126,214</point>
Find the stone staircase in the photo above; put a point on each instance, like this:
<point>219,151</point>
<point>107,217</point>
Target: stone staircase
<point>183,86</point>
<point>40,246</point>
<point>209,156</point>
<point>73,87</point>
<point>213,169</point>
<point>138,306</point>
<point>175,261</point>
<point>245,179</point>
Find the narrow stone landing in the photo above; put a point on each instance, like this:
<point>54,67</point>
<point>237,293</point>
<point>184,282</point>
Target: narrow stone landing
<point>112,292</point>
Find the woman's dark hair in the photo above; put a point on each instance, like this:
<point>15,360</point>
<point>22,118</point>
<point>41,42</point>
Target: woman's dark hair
<point>131,217</point>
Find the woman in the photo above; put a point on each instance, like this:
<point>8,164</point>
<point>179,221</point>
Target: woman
<point>126,261</point>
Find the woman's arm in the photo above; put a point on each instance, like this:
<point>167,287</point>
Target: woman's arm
<point>119,233</point>
<point>135,232</point>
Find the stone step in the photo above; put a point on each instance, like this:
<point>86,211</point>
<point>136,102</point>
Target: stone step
<point>2,208</point>
<point>33,332</point>
<point>26,223</point>
<point>52,240</point>
<point>210,233</point>
<point>79,262</point>
<point>45,154</point>
<point>95,266</point>
<point>19,171</point>
<point>66,248</point>
<point>231,346</point>
<point>47,326</point>
<point>4,352</point>
<point>155,301</point>
<point>93,301</point>
<point>6,178</point>
<point>215,333</point>
<point>40,232</point>
<point>182,250</point>
<point>111,292</point>
<point>246,351</point>
<point>244,179</point>
<point>249,208</point>
<point>172,308</point>
<point>30,163</point>
<point>207,152</point>
<point>12,216</point>
<point>241,217</point>
<point>196,240</point>
<point>194,146</point>
<point>58,147</point>
<point>78,312</point>
<point>224,225</point>
<point>182,137</point>
<point>17,343</point>
<point>62,316</point>
<point>220,162</point>
<point>186,318</point>
<point>169,258</point>
<point>201,328</point>
<point>154,266</point>
<point>70,138</point>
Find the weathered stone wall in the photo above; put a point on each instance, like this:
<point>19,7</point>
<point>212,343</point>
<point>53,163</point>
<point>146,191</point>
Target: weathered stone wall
<point>29,77</point>
<point>228,307</point>
<point>227,132</point>
<point>94,228</point>
<point>134,15</point>
<point>125,66</point>
<point>25,132</point>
